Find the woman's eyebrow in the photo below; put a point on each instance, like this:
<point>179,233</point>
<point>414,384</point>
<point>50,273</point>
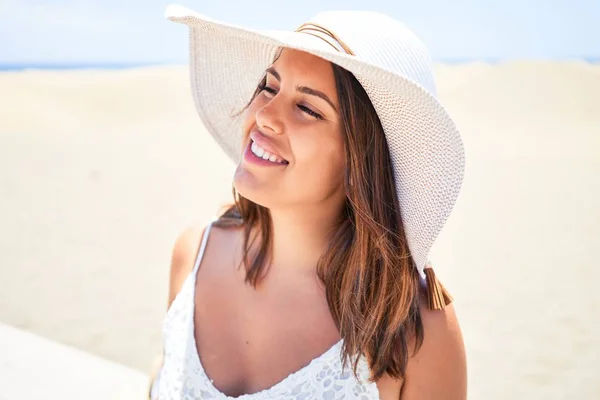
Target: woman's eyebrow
<point>304,89</point>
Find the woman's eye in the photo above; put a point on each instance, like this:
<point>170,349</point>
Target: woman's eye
<point>310,112</point>
<point>304,109</point>
<point>267,89</point>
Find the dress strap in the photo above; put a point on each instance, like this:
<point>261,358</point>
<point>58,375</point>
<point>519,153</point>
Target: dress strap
<point>203,246</point>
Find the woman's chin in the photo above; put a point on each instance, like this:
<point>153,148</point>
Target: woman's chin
<point>251,187</point>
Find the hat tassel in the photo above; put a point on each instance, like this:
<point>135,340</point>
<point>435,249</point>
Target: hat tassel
<point>437,296</point>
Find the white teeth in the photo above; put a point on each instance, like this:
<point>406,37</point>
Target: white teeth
<point>265,155</point>
<point>257,150</point>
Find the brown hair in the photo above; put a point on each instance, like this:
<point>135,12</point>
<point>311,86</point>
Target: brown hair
<point>371,282</point>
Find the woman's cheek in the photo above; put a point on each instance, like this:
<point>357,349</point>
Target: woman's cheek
<point>323,156</point>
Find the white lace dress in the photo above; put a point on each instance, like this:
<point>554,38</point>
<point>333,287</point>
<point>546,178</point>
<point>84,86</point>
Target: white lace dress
<point>182,376</point>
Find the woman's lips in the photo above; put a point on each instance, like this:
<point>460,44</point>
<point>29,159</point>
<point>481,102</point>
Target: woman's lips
<point>252,158</point>
<point>264,143</point>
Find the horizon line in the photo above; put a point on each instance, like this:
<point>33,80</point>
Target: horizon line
<point>17,66</point>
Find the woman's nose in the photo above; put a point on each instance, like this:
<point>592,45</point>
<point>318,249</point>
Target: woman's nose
<point>269,119</point>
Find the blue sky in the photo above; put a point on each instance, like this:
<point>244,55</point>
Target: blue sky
<point>135,31</point>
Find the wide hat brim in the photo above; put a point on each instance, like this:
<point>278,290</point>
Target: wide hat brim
<point>426,150</point>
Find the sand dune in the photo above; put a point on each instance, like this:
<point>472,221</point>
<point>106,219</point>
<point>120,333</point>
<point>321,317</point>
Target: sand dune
<point>100,170</point>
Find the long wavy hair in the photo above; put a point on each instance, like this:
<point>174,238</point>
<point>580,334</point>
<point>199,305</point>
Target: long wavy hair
<point>370,279</point>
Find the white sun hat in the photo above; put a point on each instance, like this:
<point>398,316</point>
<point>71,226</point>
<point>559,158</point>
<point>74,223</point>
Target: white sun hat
<point>395,69</point>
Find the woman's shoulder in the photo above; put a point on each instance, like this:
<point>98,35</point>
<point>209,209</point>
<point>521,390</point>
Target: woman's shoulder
<point>183,256</point>
<point>442,356</point>
<point>186,248</point>
<point>188,243</point>
<point>438,369</point>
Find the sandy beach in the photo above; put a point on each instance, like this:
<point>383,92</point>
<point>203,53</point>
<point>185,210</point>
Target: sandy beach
<point>33,367</point>
<point>101,170</point>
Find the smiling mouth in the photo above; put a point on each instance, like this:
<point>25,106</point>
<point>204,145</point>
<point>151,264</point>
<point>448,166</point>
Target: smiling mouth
<point>266,155</point>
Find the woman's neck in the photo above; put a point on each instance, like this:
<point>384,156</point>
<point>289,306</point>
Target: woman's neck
<point>300,236</point>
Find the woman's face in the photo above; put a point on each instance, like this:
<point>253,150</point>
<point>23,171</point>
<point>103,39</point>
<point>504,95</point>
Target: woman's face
<point>295,118</point>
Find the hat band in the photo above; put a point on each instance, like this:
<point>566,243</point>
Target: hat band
<point>326,35</point>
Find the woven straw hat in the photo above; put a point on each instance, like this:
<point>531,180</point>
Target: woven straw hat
<point>393,66</point>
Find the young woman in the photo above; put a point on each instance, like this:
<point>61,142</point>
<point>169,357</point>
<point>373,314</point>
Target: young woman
<point>315,282</point>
